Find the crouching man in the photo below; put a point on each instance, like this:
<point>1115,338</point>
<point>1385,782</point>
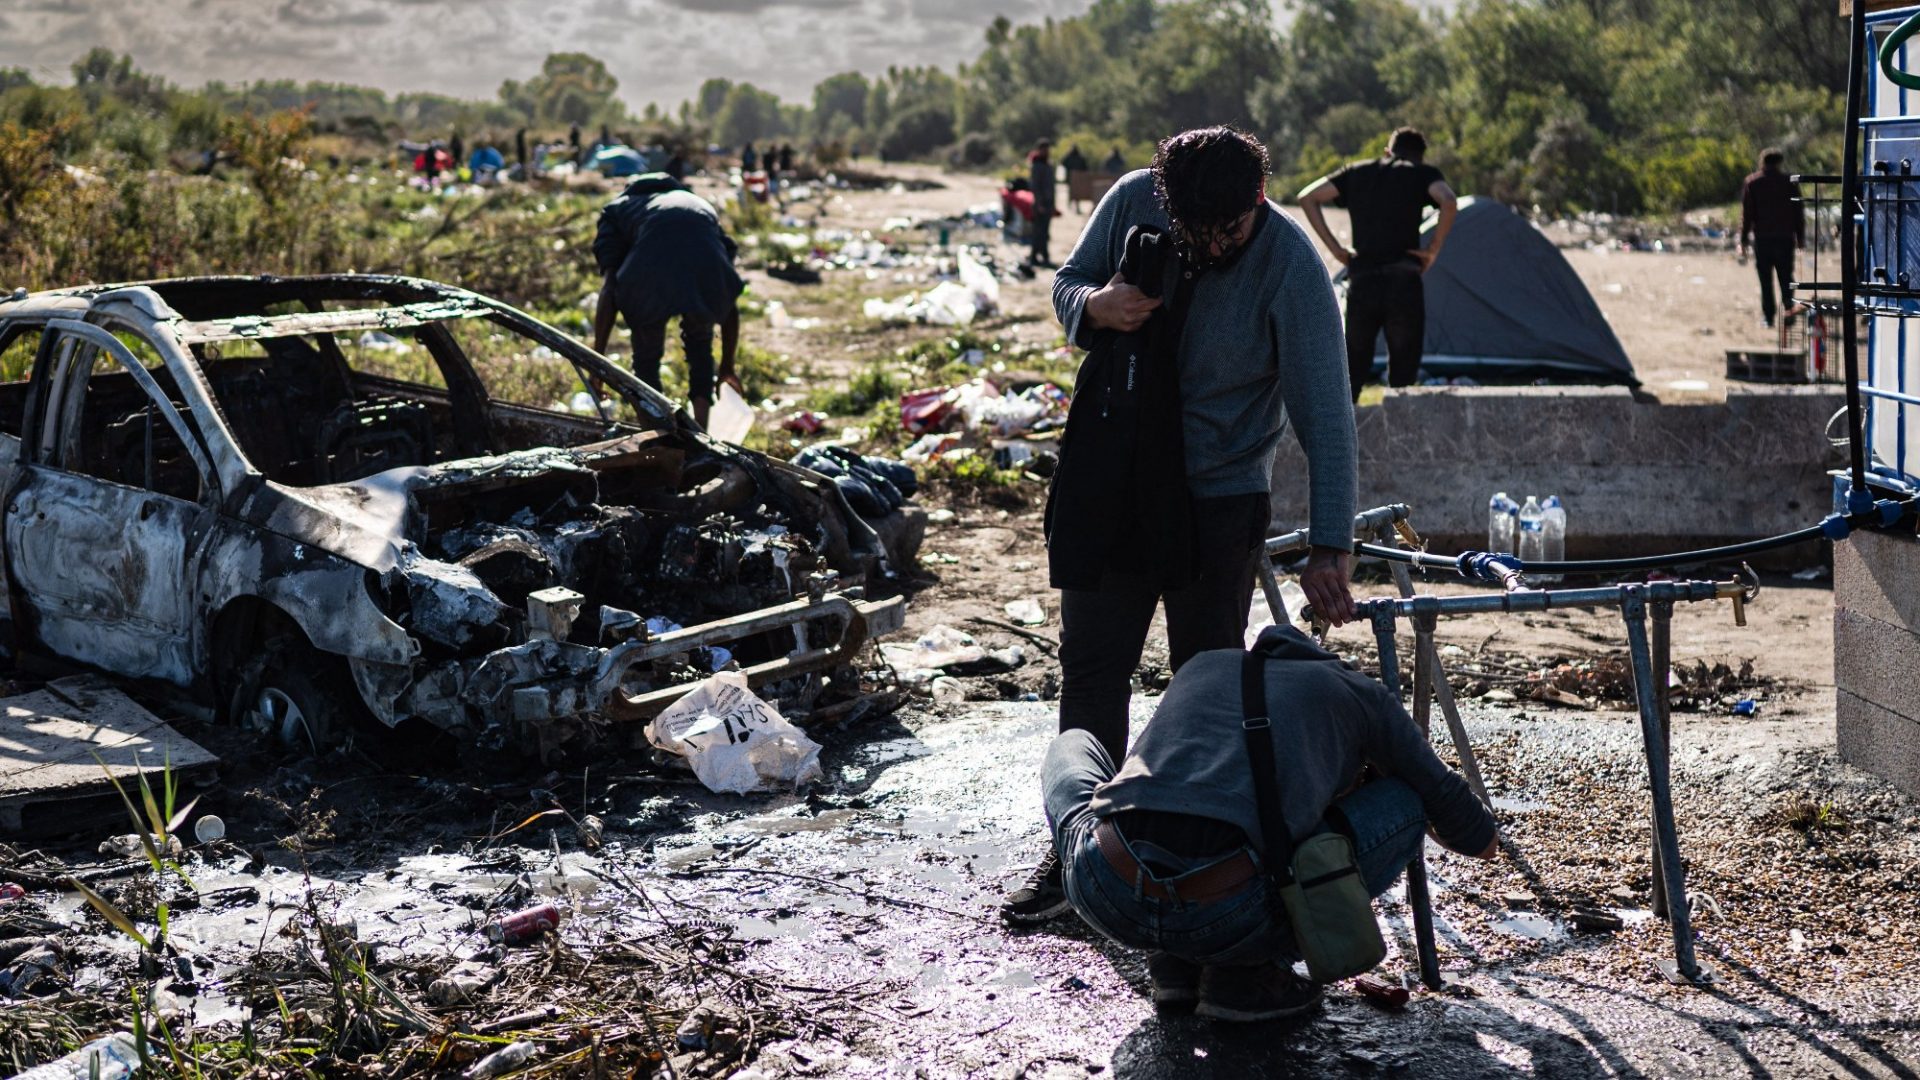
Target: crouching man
<point>1164,854</point>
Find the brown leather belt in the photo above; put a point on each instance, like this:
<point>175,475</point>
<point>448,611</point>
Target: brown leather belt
<point>1226,878</point>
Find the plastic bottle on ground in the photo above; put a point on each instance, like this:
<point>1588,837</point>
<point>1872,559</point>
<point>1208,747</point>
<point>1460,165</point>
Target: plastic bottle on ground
<point>1554,535</point>
<point>1500,523</point>
<point>1532,536</point>
<point>777,316</point>
<point>118,1054</point>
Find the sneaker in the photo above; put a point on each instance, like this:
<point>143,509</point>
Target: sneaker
<point>1176,982</point>
<point>1043,897</point>
<point>1257,992</point>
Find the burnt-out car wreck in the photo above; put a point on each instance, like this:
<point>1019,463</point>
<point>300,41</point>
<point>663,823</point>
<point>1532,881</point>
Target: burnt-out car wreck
<point>302,499</point>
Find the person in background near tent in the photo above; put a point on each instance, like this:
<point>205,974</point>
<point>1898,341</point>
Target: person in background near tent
<point>1074,162</point>
<point>748,159</point>
<point>1259,352</point>
<point>1040,177</point>
<point>1386,197</point>
<point>520,153</point>
<point>458,148</point>
<point>1116,165</point>
<point>663,255</point>
<point>786,158</point>
<point>677,166</point>
<point>573,143</point>
<point>1772,226</point>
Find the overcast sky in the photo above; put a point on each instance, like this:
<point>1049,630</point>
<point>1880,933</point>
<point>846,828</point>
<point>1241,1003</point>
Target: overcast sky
<point>660,50</point>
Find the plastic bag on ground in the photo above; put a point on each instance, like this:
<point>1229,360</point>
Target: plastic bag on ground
<point>981,282</point>
<point>735,742</point>
<point>731,417</point>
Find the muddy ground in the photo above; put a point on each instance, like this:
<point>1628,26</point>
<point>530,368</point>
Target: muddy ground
<point>849,930</point>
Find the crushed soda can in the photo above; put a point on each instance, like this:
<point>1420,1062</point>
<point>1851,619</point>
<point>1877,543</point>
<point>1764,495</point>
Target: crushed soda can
<point>524,926</point>
<point>1746,707</point>
<point>11,891</point>
<point>1382,993</point>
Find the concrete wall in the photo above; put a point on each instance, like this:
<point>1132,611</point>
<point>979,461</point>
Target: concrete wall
<point>1638,477</point>
<point>1876,655</point>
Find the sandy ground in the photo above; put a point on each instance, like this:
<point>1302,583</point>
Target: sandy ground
<point>1676,313</point>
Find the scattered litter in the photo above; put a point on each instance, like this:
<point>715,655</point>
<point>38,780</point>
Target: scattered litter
<point>734,741</point>
<point>804,422</point>
<point>873,486</point>
<point>730,417</point>
<point>1382,993</point>
<point>381,341</point>
<point>947,690</point>
<point>128,846</point>
<point>209,828</point>
<point>1026,612</point>
<point>1595,920</point>
<point>937,649</point>
<point>111,1058</point>
<point>524,926</point>
<point>501,1061</point>
<point>942,516</point>
<point>1812,573</point>
<point>591,830</point>
<point>32,967</point>
<point>1746,707</point>
<point>461,985</point>
<point>11,891</point>
<point>949,303</point>
<point>944,649</point>
<point>979,403</point>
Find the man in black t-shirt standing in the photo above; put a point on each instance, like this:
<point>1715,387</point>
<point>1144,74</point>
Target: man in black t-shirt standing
<point>1386,198</point>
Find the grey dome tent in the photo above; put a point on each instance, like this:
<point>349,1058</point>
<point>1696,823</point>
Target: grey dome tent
<point>1502,304</point>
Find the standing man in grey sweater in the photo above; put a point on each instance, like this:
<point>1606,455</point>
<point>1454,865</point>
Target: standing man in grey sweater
<point>1261,348</point>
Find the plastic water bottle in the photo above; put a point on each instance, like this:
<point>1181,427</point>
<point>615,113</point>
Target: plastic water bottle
<point>1532,536</point>
<point>118,1054</point>
<point>1500,523</point>
<point>1554,535</point>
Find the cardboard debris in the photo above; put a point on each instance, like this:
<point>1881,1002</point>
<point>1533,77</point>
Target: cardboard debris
<point>48,743</point>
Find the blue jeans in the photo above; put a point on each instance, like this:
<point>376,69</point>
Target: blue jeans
<point>1388,826</point>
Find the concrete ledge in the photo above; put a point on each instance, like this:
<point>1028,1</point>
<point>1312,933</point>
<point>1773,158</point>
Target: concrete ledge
<point>1638,477</point>
<point>1878,575</point>
<point>1878,740</point>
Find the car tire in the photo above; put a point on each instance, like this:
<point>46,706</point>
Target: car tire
<point>285,694</point>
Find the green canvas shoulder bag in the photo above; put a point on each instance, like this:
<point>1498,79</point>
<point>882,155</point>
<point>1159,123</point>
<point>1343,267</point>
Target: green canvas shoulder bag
<point>1317,883</point>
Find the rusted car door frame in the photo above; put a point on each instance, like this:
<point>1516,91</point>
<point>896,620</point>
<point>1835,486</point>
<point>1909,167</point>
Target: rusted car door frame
<point>103,572</point>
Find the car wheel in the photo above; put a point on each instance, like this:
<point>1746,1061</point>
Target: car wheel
<point>282,695</point>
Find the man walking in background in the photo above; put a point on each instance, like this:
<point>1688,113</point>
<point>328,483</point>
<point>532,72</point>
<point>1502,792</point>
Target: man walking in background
<point>1040,178</point>
<point>1386,198</point>
<point>1772,226</point>
<point>1256,346</point>
<point>664,255</point>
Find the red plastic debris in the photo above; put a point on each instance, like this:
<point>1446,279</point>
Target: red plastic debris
<point>1382,993</point>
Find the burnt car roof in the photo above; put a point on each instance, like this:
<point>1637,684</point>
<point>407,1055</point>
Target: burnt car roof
<point>198,299</point>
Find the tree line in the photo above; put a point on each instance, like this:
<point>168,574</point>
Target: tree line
<point>1567,105</point>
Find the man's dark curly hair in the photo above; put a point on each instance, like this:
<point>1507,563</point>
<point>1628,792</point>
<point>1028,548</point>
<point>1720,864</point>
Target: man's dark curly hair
<point>1206,178</point>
